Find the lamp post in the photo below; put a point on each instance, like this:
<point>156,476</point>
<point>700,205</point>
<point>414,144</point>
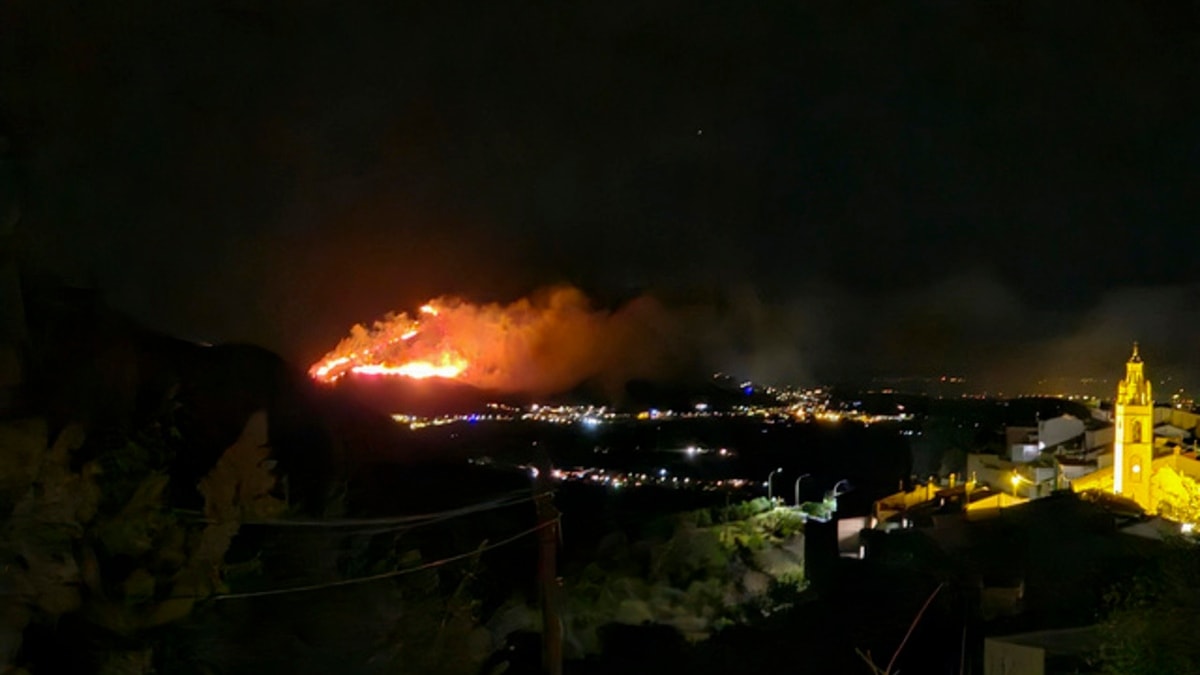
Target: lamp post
<point>1015,480</point>
<point>802,477</point>
<point>836,494</point>
<point>770,494</point>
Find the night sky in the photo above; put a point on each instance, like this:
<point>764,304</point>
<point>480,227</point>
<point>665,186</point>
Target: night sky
<point>1005,190</point>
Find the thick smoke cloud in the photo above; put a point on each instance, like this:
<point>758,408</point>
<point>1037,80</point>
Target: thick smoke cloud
<point>552,341</point>
<point>977,327</point>
<point>1095,342</point>
<point>546,343</point>
<point>972,326</point>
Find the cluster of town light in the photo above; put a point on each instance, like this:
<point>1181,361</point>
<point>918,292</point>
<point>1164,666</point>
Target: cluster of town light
<point>662,477</point>
<point>805,405</point>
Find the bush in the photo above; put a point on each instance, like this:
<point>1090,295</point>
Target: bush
<point>684,571</point>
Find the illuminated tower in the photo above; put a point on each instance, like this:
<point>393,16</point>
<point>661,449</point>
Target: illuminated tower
<point>1134,445</point>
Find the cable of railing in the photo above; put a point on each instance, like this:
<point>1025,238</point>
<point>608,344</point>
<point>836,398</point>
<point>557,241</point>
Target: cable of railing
<point>388,575</point>
<point>511,499</point>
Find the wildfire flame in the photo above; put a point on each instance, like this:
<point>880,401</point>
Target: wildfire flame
<point>415,369</point>
<point>382,349</point>
<point>546,343</point>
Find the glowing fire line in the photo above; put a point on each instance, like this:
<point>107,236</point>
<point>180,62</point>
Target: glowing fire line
<point>414,369</point>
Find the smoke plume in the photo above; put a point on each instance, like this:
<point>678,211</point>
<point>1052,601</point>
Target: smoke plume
<point>546,343</point>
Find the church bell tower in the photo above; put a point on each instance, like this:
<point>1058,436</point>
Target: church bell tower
<point>1134,446</point>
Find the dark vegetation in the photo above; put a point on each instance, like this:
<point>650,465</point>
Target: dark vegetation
<point>139,493</point>
<point>1147,627</point>
<point>131,493</point>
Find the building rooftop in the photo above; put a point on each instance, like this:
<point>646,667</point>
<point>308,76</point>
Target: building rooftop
<point>1061,642</point>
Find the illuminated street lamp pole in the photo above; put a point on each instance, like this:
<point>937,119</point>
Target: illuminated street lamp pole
<point>837,494</point>
<point>802,477</point>
<point>770,495</point>
<point>1015,480</point>
<point>834,494</point>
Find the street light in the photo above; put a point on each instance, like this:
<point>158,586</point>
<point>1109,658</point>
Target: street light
<point>835,492</point>
<point>802,477</point>
<point>769,477</point>
<point>1015,480</point>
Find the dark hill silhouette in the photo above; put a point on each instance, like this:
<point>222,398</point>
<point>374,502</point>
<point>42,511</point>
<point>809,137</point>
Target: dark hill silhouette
<point>430,397</point>
<point>90,364</point>
<point>446,397</point>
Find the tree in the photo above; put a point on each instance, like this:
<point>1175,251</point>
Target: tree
<point>1178,496</point>
<point>1151,623</point>
<point>107,526</point>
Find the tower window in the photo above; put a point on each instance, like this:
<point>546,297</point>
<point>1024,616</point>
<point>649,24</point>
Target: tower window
<point>1137,431</point>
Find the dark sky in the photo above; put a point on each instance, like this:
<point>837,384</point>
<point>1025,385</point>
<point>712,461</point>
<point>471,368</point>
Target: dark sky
<point>879,187</point>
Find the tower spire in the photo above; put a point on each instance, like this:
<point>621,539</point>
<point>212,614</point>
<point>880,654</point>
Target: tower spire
<point>1133,448</point>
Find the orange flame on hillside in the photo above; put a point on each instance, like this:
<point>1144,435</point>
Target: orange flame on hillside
<point>391,347</point>
<point>546,343</point>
